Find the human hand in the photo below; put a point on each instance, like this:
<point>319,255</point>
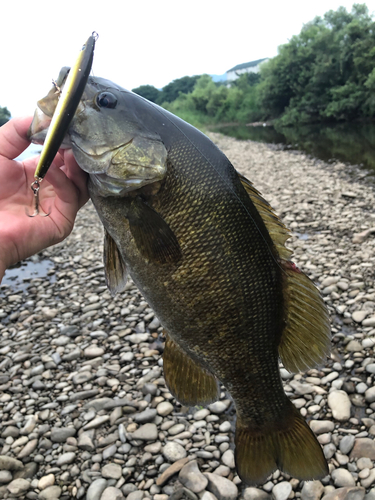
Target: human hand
<point>62,193</point>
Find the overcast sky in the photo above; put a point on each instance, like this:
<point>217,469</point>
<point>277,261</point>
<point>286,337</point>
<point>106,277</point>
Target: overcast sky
<point>141,42</point>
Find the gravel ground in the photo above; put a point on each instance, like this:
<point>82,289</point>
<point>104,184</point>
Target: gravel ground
<point>84,411</point>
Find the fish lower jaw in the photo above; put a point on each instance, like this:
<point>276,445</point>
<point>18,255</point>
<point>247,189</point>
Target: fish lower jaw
<point>109,186</point>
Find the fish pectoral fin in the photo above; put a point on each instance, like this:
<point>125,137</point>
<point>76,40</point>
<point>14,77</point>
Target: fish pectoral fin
<point>189,382</point>
<point>276,229</point>
<point>290,446</point>
<point>114,266</point>
<point>154,238</point>
<point>306,337</point>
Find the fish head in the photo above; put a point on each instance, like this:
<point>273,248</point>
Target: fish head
<point>108,135</point>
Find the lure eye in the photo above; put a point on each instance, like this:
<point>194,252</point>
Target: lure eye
<point>106,100</point>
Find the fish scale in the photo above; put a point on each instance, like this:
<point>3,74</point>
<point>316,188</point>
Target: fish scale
<point>208,253</point>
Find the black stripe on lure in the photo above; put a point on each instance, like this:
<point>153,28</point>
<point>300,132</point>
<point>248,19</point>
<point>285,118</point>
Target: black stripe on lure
<point>66,107</point>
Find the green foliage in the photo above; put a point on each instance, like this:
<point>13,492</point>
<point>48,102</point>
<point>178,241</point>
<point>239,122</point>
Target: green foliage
<point>4,115</point>
<point>182,85</point>
<point>211,103</point>
<point>325,73</point>
<point>148,92</point>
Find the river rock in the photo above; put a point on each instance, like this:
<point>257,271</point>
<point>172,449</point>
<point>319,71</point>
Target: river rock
<point>46,481</point>
<point>96,489</point>
<point>342,477</point>
<point>255,494</point>
<point>282,490</point>
<point>346,493</point>
<point>312,490</point>
<point>50,493</point>
<point>10,463</point>
<point>191,477</point>
<point>112,493</point>
<point>340,405</point>
<point>221,487</point>
<point>112,471</point>
<point>18,487</point>
<point>173,451</point>
<point>147,432</point>
<point>363,447</point>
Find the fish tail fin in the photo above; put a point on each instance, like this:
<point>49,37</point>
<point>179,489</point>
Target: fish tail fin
<point>290,446</point>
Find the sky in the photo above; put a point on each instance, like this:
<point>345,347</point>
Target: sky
<point>141,42</point>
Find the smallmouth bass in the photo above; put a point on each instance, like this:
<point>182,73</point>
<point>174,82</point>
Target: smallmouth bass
<point>208,253</point>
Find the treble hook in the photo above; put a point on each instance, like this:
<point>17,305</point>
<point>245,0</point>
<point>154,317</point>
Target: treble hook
<point>35,186</point>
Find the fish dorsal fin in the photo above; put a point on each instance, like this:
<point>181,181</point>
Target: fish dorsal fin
<point>276,229</point>
<point>189,382</point>
<point>114,266</point>
<point>306,338</point>
<point>154,238</point>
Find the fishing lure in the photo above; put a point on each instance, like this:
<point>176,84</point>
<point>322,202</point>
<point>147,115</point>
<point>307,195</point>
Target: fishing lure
<point>63,115</point>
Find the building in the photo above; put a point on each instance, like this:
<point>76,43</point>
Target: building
<point>249,67</point>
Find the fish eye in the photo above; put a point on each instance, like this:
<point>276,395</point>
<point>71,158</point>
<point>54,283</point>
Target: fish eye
<point>106,100</point>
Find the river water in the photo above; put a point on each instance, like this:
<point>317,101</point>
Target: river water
<point>352,143</point>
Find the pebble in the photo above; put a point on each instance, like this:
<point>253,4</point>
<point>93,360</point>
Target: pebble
<point>191,477</point>
<point>112,493</point>
<point>221,487</point>
<point>80,374</point>
<point>281,491</point>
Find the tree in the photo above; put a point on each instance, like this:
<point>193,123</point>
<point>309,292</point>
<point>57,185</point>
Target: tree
<point>149,92</point>
<point>182,85</point>
<point>4,115</point>
<point>324,73</point>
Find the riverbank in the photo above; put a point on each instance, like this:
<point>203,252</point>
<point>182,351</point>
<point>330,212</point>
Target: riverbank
<point>84,409</point>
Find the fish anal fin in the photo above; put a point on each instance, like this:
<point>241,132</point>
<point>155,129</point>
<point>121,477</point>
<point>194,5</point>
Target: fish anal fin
<point>306,338</point>
<point>276,229</point>
<point>155,240</point>
<point>189,382</point>
<point>290,446</point>
<point>114,266</point>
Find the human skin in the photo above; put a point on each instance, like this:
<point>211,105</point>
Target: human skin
<point>63,192</point>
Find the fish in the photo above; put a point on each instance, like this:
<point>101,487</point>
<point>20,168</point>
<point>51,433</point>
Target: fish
<point>208,253</point>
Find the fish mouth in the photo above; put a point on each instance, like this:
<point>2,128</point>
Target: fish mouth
<point>109,186</point>
<point>39,127</point>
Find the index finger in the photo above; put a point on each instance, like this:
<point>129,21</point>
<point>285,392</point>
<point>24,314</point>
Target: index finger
<point>13,137</point>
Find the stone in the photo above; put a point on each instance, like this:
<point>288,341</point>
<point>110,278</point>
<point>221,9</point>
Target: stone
<point>255,494</point>
<point>28,472</point>
<point>135,495</point>
<point>66,458</point>
<point>207,495</point>
<point>369,480</point>
<point>218,407</point>
<point>28,449</point>
<point>321,426</point>
<point>342,477</point>
<point>281,490</point>
<point>5,476</point>
<point>96,489</point>
<point>173,451</point>
<point>164,408</point>
<point>340,405</point>
<point>18,487</point>
<point>46,481</point>
<point>346,493</point>
<point>85,442</point>
<point>61,434</point>
<point>9,463</point>
<point>370,395</point>
<point>112,471</point>
<point>112,493</point>
<point>170,471</point>
<point>358,317</point>
<point>228,459</point>
<point>50,493</point>
<point>93,352</point>
<point>312,490</point>
<point>145,416</point>
<point>363,447</point>
<point>147,432</point>
<point>346,444</point>
<point>191,477</point>
<point>221,487</point>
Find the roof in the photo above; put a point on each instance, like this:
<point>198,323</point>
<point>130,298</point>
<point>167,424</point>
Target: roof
<point>247,65</point>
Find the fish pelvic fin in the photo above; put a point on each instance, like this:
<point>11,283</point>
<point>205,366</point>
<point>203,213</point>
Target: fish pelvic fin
<point>155,240</point>
<point>188,381</point>
<point>278,232</point>
<point>114,266</point>
<point>291,447</point>
<point>306,338</point>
